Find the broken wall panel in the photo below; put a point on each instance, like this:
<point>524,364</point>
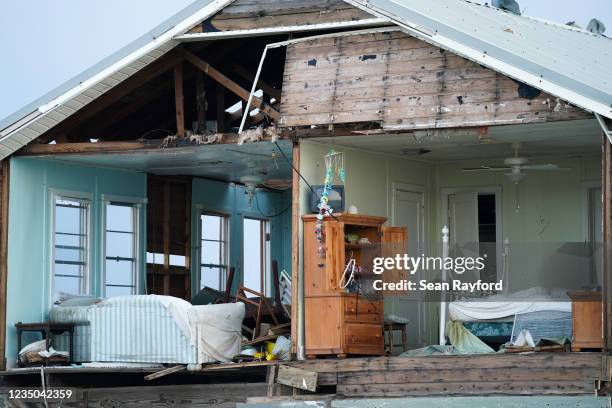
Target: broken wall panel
<point>398,80</point>
<point>250,14</point>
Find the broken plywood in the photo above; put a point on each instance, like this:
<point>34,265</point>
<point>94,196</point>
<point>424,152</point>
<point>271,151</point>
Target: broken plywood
<point>250,14</point>
<point>400,81</point>
<point>297,378</point>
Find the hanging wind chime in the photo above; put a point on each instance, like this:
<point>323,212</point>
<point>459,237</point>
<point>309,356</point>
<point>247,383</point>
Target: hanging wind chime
<point>334,166</point>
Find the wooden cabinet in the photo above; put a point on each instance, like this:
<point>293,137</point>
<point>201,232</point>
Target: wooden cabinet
<point>587,320</point>
<point>337,321</point>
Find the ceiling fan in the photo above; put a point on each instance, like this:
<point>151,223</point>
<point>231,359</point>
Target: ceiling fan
<point>517,166</point>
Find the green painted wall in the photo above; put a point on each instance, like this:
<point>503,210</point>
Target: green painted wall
<point>230,199</point>
<point>548,225</point>
<point>30,206</point>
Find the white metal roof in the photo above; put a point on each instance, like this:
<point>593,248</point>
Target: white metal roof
<point>563,61</point>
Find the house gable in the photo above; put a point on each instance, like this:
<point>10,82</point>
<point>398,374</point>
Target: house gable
<point>252,14</point>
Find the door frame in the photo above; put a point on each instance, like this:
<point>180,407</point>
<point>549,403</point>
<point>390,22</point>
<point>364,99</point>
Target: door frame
<point>414,188</point>
<point>497,191</point>
<point>411,188</point>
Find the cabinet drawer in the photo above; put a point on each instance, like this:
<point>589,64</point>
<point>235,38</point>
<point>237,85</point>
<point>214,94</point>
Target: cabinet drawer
<point>362,310</point>
<point>363,335</point>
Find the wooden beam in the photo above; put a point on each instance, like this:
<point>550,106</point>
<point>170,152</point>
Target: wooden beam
<point>230,85</point>
<point>4,220</point>
<point>145,75</point>
<point>246,74</point>
<point>295,247</point>
<point>220,94</point>
<point>179,101</point>
<point>166,238</point>
<point>80,148</point>
<point>201,101</point>
<point>148,145</point>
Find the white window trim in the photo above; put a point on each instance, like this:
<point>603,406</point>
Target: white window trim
<point>77,196</point>
<point>201,210</point>
<point>267,255</point>
<point>137,204</point>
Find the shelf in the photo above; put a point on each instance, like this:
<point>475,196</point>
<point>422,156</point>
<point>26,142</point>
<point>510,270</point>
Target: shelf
<point>348,245</point>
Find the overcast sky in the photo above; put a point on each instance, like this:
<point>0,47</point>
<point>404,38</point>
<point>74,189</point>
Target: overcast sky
<point>45,43</point>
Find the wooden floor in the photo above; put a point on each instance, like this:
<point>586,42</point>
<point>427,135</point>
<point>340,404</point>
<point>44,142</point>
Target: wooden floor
<point>536,374</point>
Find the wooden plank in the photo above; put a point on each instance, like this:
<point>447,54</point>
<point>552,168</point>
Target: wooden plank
<point>166,238</point>
<point>463,388</point>
<point>179,102</point>
<point>231,85</point>
<point>244,15</point>
<point>297,378</point>
<point>526,361</point>
<point>197,395</point>
<point>295,245</point>
<point>220,96</point>
<point>4,222</point>
<point>467,375</point>
<point>201,102</point>
<point>397,80</point>
<point>167,371</point>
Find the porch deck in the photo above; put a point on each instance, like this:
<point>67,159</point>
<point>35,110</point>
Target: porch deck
<point>535,374</point>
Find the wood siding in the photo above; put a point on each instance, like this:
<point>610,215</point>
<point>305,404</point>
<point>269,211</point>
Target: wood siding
<point>250,14</point>
<point>397,80</point>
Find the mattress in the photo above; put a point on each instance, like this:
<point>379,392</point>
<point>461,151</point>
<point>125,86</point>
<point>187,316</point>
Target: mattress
<point>506,305</point>
<point>139,329</point>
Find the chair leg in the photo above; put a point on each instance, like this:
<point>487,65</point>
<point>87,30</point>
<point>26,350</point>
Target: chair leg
<point>405,338</point>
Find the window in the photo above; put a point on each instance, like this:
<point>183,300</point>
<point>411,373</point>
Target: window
<point>120,265</point>
<point>256,253</point>
<point>70,246</point>
<point>213,250</point>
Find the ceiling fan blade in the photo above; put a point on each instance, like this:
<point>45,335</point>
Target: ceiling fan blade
<point>544,167</point>
<point>487,168</point>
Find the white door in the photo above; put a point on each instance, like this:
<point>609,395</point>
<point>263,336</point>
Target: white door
<point>463,226</point>
<point>408,212</point>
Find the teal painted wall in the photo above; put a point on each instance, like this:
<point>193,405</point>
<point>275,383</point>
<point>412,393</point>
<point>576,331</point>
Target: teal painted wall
<point>230,199</point>
<point>29,264</point>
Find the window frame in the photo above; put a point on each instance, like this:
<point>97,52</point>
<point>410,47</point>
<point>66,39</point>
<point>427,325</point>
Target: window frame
<point>225,232</point>
<point>83,198</point>
<point>136,206</point>
<point>265,268</point>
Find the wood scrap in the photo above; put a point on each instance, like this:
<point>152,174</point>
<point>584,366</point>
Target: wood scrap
<point>166,371</point>
<point>297,378</point>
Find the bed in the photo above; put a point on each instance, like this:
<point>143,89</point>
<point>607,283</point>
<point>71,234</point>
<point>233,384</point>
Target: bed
<point>154,329</point>
<point>499,318</point>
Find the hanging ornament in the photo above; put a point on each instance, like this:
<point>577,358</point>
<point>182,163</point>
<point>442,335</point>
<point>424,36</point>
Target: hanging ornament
<point>334,165</point>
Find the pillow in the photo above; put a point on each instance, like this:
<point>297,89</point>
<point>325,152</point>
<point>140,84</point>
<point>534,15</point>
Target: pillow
<point>66,300</point>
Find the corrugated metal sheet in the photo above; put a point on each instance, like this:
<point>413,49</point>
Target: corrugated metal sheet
<point>567,62</point>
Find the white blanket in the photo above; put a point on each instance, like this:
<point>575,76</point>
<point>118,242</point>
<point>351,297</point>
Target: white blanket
<point>505,305</point>
<point>214,330</point>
